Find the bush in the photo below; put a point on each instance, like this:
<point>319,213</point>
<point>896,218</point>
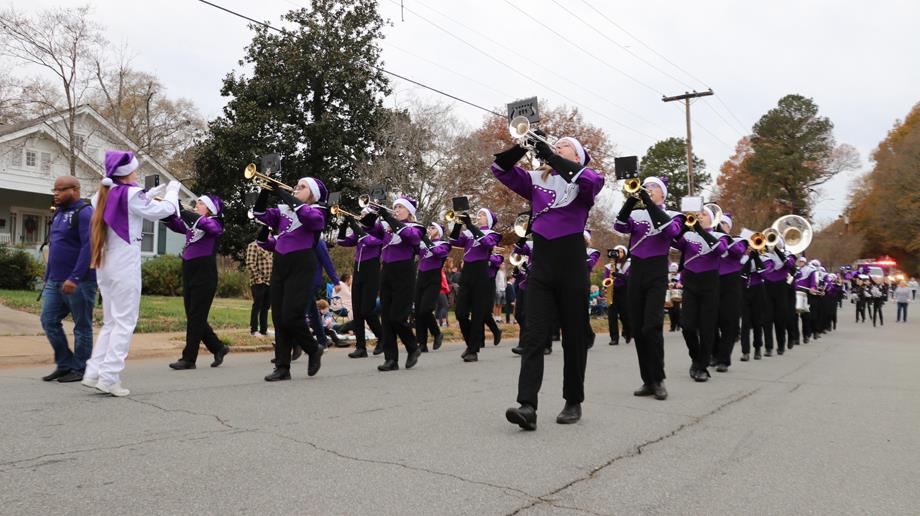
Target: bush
<point>162,276</point>
<point>233,283</point>
<point>18,269</point>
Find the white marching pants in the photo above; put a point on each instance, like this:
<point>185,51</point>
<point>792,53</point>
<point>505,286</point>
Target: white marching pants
<point>119,280</point>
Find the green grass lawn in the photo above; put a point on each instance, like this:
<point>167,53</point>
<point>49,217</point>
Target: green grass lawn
<point>166,314</point>
<point>157,314</point>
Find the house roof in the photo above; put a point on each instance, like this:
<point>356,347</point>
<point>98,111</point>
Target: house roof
<point>45,125</point>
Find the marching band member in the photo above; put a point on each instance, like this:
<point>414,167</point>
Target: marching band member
<point>806,281</point>
<point>592,256</point>
<point>777,268</point>
<point>523,248</point>
<point>561,195</point>
<point>475,295</point>
<point>618,309</point>
<point>120,210</point>
<point>366,280</point>
<point>428,289</point>
<point>495,263</point>
<point>650,231</point>
<point>754,307</point>
<point>730,293</point>
<point>701,251</point>
<point>397,281</point>
<point>202,229</point>
<point>674,284</point>
<point>793,336</point>
<point>297,222</point>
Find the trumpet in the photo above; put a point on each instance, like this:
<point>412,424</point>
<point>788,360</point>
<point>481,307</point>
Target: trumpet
<point>364,201</point>
<point>691,220</point>
<point>607,283</point>
<point>263,181</point>
<point>757,241</point>
<point>517,260</point>
<point>632,186</point>
<point>452,216</point>
<point>771,237</point>
<point>522,134</point>
<point>336,211</point>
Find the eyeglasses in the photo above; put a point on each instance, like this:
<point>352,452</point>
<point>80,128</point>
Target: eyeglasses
<point>61,190</point>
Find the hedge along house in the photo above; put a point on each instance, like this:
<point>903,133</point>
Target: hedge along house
<point>35,152</point>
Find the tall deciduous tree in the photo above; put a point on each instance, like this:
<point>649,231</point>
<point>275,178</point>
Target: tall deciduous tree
<point>736,194</point>
<point>884,202</point>
<point>61,43</point>
<point>793,153</point>
<point>312,97</point>
<point>668,158</point>
<point>136,103</point>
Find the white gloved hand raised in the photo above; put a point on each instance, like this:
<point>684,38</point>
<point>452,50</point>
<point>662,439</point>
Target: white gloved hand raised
<point>173,187</point>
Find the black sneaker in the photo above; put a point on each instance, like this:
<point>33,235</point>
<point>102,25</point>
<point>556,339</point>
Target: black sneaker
<point>524,416</point>
<point>315,362</point>
<point>438,340</point>
<point>182,364</point>
<point>280,373</point>
<point>73,376</point>
<point>57,373</point>
<point>412,359</point>
<point>497,338</point>
<point>358,353</point>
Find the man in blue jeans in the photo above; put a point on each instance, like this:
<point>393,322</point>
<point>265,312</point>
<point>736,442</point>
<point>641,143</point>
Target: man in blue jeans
<point>70,285</point>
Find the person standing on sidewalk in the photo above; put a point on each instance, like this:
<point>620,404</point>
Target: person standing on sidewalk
<point>902,296</point>
<point>259,266</point>
<point>70,285</point>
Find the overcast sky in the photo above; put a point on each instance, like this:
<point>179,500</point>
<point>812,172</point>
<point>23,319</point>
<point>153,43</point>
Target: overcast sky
<point>856,59</point>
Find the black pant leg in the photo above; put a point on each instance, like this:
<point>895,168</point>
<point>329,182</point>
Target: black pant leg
<point>730,305</point>
<point>289,304</point>
<point>198,289</point>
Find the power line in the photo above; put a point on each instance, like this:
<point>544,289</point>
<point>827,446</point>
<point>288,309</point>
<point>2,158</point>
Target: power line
<point>733,128</point>
<point>379,68</point>
<point>584,50</point>
<point>672,63</point>
<point>624,48</point>
<point>526,58</point>
<point>524,75</point>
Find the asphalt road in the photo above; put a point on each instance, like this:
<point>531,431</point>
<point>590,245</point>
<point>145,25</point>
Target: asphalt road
<point>829,428</point>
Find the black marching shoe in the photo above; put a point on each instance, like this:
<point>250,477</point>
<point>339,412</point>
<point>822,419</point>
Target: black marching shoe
<point>571,413</point>
<point>465,353</point>
<point>438,340</point>
<point>423,348</point>
<point>745,357</point>
<point>767,353</point>
<point>280,373</point>
<point>378,349</point>
<point>57,373</point>
<point>471,357</point>
<point>358,353</point>
<point>412,359</point>
<point>614,343</point>
<point>645,390</point>
<point>219,356</point>
<point>524,416</point>
<point>389,365</point>
<point>722,368</point>
<point>548,351</point>
<point>660,392</point>
<point>73,376</point>
<point>702,375</point>
<point>296,352</point>
<point>316,361</point>
<point>181,364</point>
<point>780,351</point>
<point>497,338</point>
<point>517,350</point>
<point>757,354</point>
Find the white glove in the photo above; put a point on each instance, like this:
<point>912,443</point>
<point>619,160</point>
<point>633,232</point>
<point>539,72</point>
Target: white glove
<point>173,187</point>
<point>157,191</point>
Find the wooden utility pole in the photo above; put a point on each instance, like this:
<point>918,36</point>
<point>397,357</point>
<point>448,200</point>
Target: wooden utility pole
<point>686,98</point>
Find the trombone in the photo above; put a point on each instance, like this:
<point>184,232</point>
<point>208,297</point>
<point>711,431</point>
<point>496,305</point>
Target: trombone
<point>336,211</point>
<point>364,201</point>
<point>263,181</point>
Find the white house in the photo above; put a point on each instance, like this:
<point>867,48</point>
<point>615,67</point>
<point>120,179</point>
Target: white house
<point>34,153</point>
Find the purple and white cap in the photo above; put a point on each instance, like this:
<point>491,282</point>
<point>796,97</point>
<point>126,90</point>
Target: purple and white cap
<point>406,202</point>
